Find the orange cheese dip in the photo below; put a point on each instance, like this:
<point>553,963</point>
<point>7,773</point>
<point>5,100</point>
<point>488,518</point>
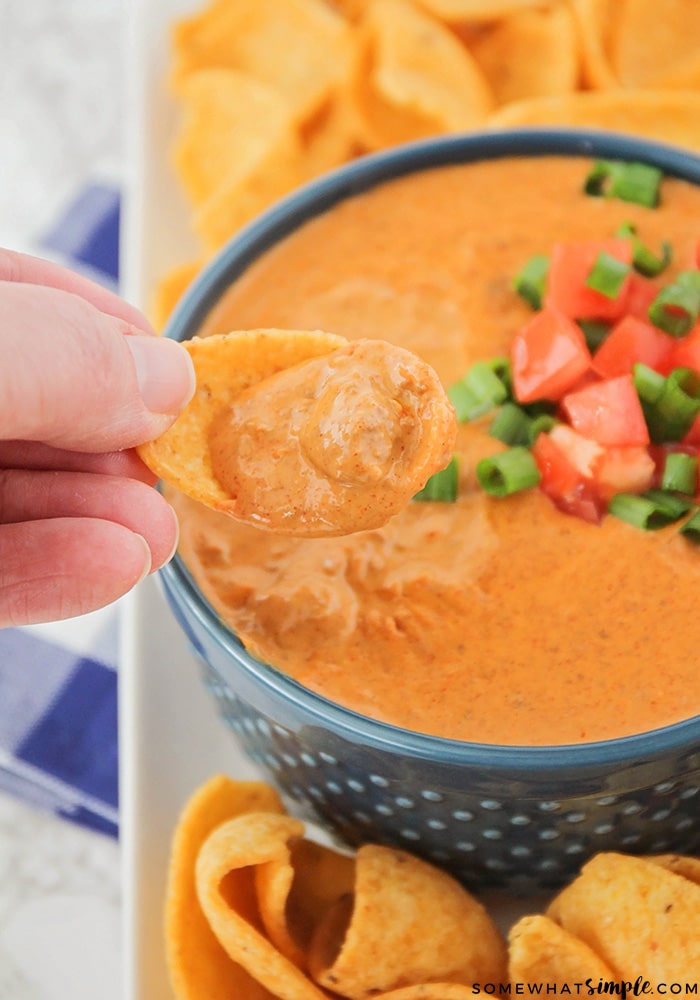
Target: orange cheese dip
<point>495,620</point>
<point>334,444</point>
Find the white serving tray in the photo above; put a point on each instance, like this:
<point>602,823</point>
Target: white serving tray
<point>171,739</point>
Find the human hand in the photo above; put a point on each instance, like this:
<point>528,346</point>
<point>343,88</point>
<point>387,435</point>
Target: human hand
<point>83,379</point>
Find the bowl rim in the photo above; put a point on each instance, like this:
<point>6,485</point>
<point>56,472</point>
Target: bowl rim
<point>265,231</point>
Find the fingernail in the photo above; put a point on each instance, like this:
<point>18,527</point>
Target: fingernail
<point>176,542</point>
<point>148,560</point>
<point>164,371</point>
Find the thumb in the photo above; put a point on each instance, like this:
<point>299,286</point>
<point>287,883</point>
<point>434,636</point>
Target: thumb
<point>77,378</point>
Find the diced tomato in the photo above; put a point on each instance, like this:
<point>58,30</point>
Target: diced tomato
<point>569,267</point>
<point>582,453</point>
<point>659,452</point>
<point>588,378</point>
<point>624,470</point>
<point>562,482</point>
<point>686,351</point>
<point>558,474</point>
<point>693,435</point>
<point>608,412</point>
<point>632,340</point>
<point>548,356</point>
<point>640,294</point>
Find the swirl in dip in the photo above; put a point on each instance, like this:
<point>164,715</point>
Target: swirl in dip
<point>337,443</point>
<point>489,619</point>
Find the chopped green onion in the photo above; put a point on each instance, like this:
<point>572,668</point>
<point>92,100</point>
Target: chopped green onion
<point>465,404</point>
<point>595,331</point>
<point>511,425</point>
<point>691,528</point>
<point>539,407</point>
<point>530,282</point>
<point>643,259</point>
<point>636,510</point>
<point>650,511</point>
<point>648,383</point>
<point>680,473</point>
<point>607,275</point>
<point>677,306</point>
<point>674,506</point>
<point>481,390</point>
<point>635,182</point>
<point>443,486</point>
<point>671,414</point>
<point>508,472</point>
<point>541,425</point>
<point>501,367</point>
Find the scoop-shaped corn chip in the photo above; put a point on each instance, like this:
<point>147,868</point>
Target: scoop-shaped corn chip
<point>640,918</point>
<point>414,78</point>
<point>197,963</point>
<point>295,888</point>
<point>405,923</point>
<point>239,198</point>
<point>475,10</point>
<point>352,9</point>
<point>431,991</point>
<point>540,951</point>
<point>681,864</point>
<point>231,124</point>
<point>653,43</point>
<point>299,47</point>
<point>331,137</point>
<point>237,149</point>
<point>531,53</point>
<point>225,366</point>
<point>303,433</point>
<point>595,20</point>
<point>666,116</point>
<point>225,877</point>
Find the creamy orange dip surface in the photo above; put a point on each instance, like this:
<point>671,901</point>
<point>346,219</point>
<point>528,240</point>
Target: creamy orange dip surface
<point>496,620</point>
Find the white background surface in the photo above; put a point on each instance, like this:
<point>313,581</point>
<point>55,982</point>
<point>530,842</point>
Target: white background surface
<point>80,915</point>
<point>61,125</point>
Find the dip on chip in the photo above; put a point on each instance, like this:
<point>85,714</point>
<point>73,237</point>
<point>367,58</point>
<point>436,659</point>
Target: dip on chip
<point>304,433</point>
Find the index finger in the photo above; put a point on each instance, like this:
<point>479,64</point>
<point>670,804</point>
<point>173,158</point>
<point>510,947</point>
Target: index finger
<point>37,455</point>
<point>21,267</point>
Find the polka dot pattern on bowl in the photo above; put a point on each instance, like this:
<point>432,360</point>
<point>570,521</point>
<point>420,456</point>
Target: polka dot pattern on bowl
<point>522,842</point>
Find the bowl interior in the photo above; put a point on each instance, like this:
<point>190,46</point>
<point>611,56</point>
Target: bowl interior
<point>283,219</point>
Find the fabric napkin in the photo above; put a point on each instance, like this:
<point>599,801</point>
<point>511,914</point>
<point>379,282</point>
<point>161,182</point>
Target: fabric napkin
<point>58,683</point>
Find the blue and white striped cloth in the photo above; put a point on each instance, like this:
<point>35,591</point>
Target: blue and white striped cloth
<point>58,682</point>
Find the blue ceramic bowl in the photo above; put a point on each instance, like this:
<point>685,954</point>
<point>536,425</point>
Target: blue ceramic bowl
<point>522,817</point>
